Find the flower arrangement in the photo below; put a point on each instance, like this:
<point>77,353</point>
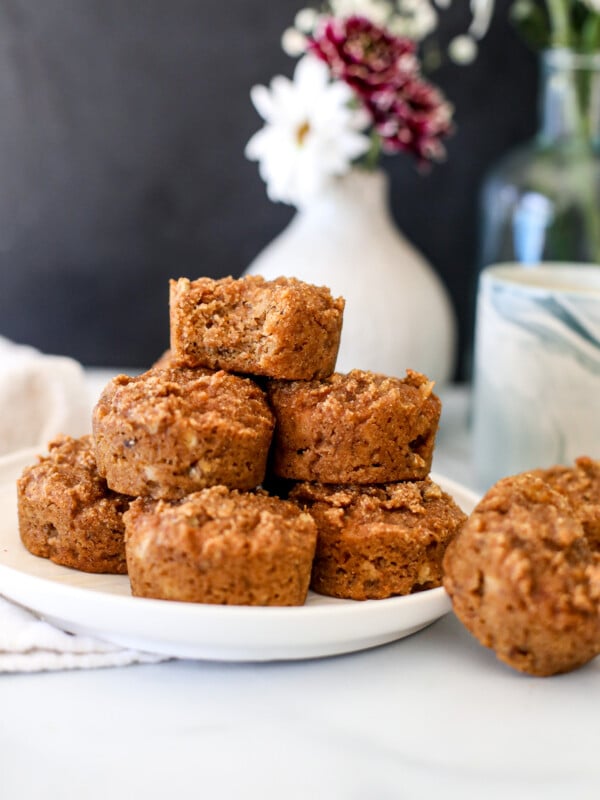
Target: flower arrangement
<point>358,91</point>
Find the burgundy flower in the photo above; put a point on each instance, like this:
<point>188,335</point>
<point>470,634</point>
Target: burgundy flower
<point>408,112</point>
<point>364,55</point>
<point>416,121</point>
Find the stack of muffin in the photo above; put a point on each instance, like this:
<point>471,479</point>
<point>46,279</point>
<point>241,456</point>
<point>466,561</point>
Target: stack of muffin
<point>167,488</point>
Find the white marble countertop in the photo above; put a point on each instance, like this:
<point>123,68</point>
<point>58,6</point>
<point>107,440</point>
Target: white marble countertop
<point>431,715</point>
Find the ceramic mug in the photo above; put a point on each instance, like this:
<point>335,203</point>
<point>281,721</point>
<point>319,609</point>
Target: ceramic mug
<point>537,368</point>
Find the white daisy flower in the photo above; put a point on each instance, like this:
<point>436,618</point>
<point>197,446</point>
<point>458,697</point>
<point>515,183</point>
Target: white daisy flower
<point>311,133</point>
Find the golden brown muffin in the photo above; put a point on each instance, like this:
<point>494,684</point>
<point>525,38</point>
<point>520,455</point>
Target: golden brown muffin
<point>221,546</point>
<point>282,329</point>
<point>354,428</point>
<point>68,514</point>
<point>170,432</point>
<point>524,580</point>
<point>580,484</point>
<point>378,541</point>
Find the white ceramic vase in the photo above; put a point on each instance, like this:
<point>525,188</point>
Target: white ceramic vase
<point>398,314</point>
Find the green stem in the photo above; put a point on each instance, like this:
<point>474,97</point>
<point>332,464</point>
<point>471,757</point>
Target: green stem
<point>371,157</point>
<point>558,10</point>
<point>570,135</point>
<point>589,39</point>
<point>583,87</point>
<point>592,222</point>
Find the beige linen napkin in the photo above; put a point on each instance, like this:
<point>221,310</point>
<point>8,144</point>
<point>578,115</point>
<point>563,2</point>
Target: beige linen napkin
<point>40,397</point>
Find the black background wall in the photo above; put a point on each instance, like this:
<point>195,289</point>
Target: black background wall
<point>122,130</point>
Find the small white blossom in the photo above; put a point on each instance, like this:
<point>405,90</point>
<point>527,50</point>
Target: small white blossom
<point>377,11</point>
<point>306,20</point>
<point>463,49</point>
<point>415,19</point>
<point>593,5</point>
<point>310,134</point>
<point>293,42</point>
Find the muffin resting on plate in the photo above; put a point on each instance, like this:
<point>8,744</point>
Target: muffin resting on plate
<point>523,578</point>
<point>68,514</point>
<point>356,428</point>
<point>378,541</point>
<point>170,432</point>
<point>220,546</point>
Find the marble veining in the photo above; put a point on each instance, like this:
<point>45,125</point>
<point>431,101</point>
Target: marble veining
<point>537,383</point>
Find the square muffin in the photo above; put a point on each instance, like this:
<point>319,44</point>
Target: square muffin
<point>280,329</point>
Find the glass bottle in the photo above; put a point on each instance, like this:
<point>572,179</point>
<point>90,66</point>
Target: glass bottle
<point>542,201</point>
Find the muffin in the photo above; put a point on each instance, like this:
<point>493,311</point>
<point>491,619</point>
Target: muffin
<point>220,546</point>
<point>524,580</point>
<point>281,329</point>
<point>170,432</point>
<point>378,541</point>
<point>580,484</point>
<point>68,514</point>
<point>356,428</point>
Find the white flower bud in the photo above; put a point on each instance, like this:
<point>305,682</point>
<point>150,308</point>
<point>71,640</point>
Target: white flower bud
<point>293,42</point>
<point>306,19</point>
<point>463,49</point>
<point>377,11</point>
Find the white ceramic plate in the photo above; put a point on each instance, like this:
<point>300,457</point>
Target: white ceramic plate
<point>102,606</point>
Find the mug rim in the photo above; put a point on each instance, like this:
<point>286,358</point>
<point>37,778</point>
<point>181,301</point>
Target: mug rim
<point>551,277</point>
